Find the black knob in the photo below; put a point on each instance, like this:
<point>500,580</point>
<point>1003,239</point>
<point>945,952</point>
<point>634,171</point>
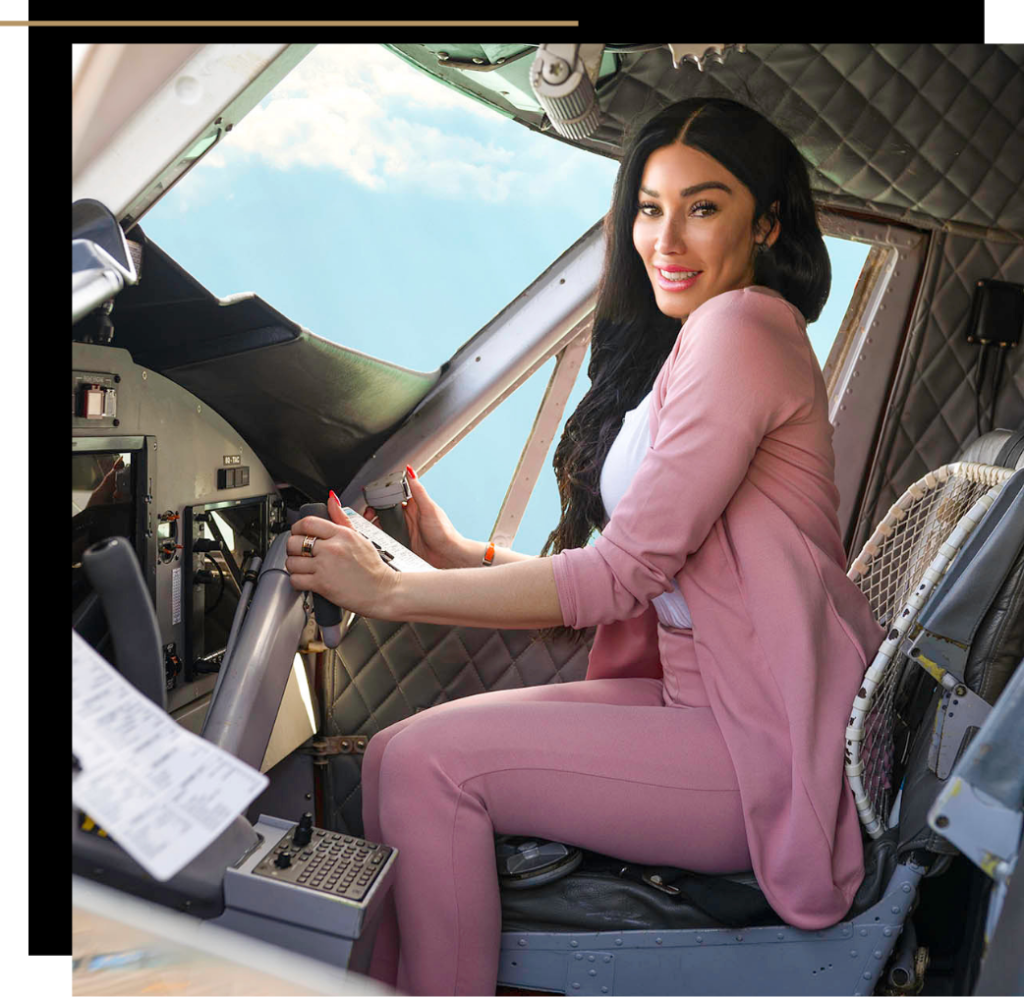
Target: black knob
<point>283,860</point>
<point>304,831</point>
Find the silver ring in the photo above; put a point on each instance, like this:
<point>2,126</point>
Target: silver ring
<point>307,546</point>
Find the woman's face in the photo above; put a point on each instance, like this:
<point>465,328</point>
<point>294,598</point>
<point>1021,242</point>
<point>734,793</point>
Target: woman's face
<point>694,218</point>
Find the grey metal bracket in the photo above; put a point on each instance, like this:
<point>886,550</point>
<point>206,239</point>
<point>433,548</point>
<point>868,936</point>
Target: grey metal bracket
<point>981,808</point>
<point>960,711</point>
<point>998,896</point>
<point>959,715</point>
<point>987,832</point>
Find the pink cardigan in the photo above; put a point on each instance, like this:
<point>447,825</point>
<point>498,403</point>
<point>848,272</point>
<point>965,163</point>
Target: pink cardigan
<point>736,500</point>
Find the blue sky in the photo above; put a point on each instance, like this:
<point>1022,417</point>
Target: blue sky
<point>395,216</point>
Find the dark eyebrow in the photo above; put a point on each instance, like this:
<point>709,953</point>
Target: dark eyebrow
<point>687,192</point>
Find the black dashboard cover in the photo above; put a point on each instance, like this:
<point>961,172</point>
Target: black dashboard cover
<point>312,411</point>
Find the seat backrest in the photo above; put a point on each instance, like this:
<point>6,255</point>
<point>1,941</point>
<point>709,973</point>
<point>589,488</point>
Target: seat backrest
<point>999,643</point>
<point>897,570</point>
<point>995,652</point>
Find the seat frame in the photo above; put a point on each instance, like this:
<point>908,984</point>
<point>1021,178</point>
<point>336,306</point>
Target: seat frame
<point>847,958</point>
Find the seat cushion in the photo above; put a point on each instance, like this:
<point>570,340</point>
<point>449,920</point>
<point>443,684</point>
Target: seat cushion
<point>607,894</point>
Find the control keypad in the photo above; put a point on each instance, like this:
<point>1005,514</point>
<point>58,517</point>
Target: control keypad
<point>338,864</point>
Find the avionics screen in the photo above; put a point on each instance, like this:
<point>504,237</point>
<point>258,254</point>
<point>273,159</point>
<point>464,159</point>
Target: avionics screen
<point>103,490</point>
<point>218,539</point>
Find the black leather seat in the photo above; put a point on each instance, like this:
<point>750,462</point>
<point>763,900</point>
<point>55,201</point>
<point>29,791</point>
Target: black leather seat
<point>607,894</point>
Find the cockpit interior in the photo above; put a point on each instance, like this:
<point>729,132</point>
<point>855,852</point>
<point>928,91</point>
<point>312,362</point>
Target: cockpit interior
<point>203,427</point>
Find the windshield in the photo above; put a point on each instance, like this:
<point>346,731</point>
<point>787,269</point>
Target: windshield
<point>378,208</point>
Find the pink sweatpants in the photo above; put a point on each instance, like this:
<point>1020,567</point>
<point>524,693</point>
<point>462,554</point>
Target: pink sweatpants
<point>602,764</point>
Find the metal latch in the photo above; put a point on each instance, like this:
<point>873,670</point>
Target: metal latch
<point>323,748</point>
<point>653,879</point>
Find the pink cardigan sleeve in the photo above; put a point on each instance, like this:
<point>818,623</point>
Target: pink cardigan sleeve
<point>627,649</point>
<point>739,369</point>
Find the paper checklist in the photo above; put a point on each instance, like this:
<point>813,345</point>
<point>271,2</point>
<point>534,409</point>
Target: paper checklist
<point>158,790</point>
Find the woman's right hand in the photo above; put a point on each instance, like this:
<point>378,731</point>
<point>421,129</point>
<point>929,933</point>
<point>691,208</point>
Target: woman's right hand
<point>431,534</point>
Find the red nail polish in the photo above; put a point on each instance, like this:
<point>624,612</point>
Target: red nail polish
<point>335,497</point>
<point>410,472</point>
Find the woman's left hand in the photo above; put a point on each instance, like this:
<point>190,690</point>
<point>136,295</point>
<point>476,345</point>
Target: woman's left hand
<point>344,567</point>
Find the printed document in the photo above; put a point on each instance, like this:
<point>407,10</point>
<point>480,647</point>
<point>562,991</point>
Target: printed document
<point>158,790</point>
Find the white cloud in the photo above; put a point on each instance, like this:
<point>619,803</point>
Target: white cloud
<point>356,109</point>
<point>331,72</point>
<point>342,107</point>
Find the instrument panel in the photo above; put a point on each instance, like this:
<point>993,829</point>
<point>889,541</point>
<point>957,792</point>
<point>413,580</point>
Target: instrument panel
<point>152,462</point>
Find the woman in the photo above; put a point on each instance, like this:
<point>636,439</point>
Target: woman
<point>730,644</point>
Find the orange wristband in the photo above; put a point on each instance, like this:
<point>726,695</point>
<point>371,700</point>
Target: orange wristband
<point>488,558</point>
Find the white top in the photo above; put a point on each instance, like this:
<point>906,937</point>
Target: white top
<point>624,457</point>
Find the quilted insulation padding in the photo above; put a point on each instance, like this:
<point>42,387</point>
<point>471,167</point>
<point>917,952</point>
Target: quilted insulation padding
<point>924,133</point>
<point>383,672</point>
<point>932,414</point>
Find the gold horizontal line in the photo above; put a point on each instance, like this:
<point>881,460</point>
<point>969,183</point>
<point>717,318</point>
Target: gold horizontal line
<point>291,24</point>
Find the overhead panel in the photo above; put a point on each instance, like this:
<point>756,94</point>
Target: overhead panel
<point>495,74</point>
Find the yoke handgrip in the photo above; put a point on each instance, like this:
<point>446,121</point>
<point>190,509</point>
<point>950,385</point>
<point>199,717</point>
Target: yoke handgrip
<point>114,573</point>
<point>328,616</point>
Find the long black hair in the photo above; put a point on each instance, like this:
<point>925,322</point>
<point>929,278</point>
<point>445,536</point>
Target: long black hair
<point>631,336</point>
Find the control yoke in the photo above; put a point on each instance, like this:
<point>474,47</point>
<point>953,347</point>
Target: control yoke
<point>113,571</point>
<point>328,616</point>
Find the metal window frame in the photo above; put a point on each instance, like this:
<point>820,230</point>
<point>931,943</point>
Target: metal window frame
<point>861,366</point>
<point>140,148</point>
<point>552,314</point>
<point>541,436</point>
